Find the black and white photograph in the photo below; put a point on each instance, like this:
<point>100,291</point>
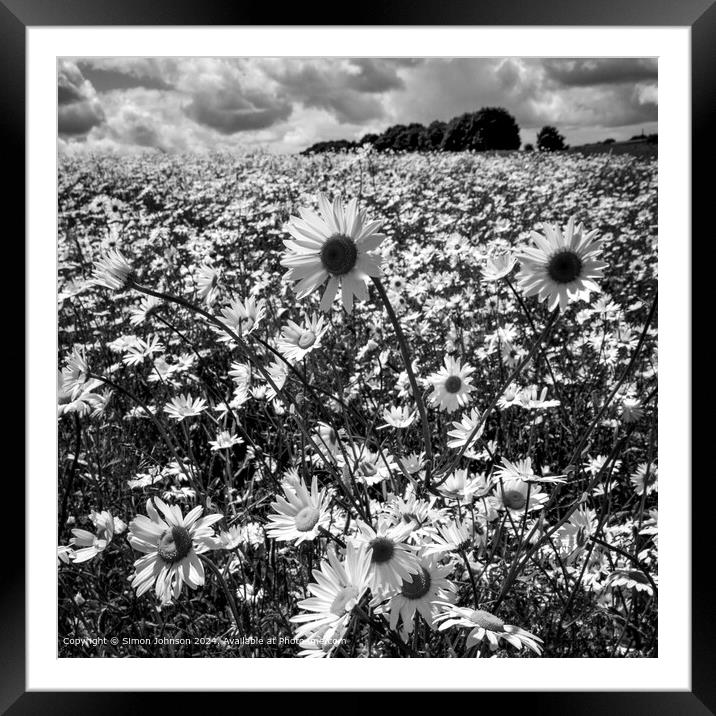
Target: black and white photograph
<point>357,357</point>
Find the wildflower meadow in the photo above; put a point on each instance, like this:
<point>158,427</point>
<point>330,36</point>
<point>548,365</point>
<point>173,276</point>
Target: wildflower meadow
<point>357,405</point>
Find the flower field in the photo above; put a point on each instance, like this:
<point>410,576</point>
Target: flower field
<point>357,406</point>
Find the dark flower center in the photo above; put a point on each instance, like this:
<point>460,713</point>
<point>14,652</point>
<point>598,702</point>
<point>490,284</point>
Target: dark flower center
<point>418,587</point>
<point>382,550</point>
<point>564,266</point>
<point>487,620</point>
<point>453,384</point>
<point>174,544</point>
<point>339,255</point>
<point>514,499</point>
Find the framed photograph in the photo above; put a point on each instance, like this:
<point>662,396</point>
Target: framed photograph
<point>367,341</point>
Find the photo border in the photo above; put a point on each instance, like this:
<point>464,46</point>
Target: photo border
<point>700,15</point>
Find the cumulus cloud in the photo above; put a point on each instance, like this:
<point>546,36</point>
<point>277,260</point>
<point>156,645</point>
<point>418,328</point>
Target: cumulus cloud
<point>352,90</point>
<point>286,104</point>
<point>590,72</point>
<point>78,107</point>
<point>237,111</point>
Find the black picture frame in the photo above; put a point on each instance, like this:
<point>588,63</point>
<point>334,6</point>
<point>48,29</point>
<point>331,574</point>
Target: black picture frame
<point>699,15</point>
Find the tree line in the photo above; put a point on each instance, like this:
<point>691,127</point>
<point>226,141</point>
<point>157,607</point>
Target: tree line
<point>490,128</point>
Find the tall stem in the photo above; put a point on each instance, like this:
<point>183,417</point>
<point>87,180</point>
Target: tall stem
<point>407,360</point>
<point>227,591</point>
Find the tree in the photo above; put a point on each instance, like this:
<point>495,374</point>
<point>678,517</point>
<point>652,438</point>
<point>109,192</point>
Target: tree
<point>550,140</point>
<point>434,134</point>
<point>489,128</point>
<point>367,139</point>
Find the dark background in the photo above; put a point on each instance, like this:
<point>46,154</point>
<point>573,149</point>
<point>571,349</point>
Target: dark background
<point>16,15</point>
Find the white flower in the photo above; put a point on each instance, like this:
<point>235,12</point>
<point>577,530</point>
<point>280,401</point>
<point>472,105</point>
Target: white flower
<point>171,547</point>
<point>561,267</point>
<point>339,586</point>
<point>334,245</point>
<point>484,625</point>
<point>397,417</point>
<point>297,341</point>
<point>225,440</point>
<point>301,515</point>
<point>92,544</point>
<point>463,429</point>
<point>184,406</point>
<point>451,385</point>
<point>112,271</point>
<point>391,559</point>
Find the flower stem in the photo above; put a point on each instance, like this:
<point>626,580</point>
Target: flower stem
<point>225,586</point>
<point>405,352</point>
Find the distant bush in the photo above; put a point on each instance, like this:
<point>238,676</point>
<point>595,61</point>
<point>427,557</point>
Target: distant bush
<point>490,128</point>
<point>550,140</point>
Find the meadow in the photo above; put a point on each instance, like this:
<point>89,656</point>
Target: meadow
<point>434,463</point>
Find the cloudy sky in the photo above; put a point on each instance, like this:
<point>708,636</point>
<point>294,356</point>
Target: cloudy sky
<point>284,105</point>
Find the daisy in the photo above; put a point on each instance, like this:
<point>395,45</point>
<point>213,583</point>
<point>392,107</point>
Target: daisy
<point>162,371</point>
<point>65,554</point>
<point>519,497</point>
<point>522,470</point>
<point>497,266</point>
<point>298,341</point>
<point>225,441</point>
<point>142,349</point>
<point>419,514</point>
<point>74,376</point>
<point>397,417</point>
<point>645,478</point>
<point>484,625</point>
<point>630,579</point>
<point>339,586</point>
<point>529,400</point>
<point>453,537</point>
<point>561,267</point>
<point>138,314</point>
<point>86,401</point>
<point>112,271</point>
<point>324,641</point>
<point>373,467</point>
<point>510,397</point>
<point>241,317</point>
<point>241,375</point>
<point>278,372</point>
<point>594,464</point>
<point>391,559</point>
<point>631,410</point>
<point>333,245</point>
<point>207,283</point>
<point>171,547</point>
<point>463,429</point>
<point>413,463</point>
<point>92,544</point>
<point>301,515</point>
<point>184,406</point>
<point>326,442</point>
<point>459,486</point>
<point>451,385</point>
<point>418,592</point>
<point>573,536</point>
